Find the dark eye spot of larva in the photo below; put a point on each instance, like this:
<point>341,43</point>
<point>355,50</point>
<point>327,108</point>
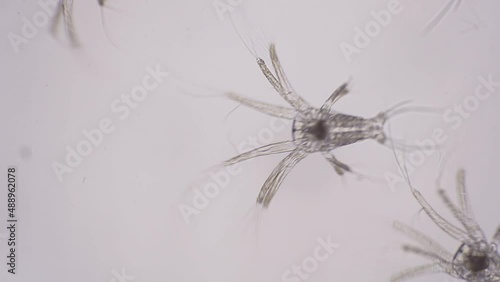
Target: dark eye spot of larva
<point>319,130</point>
<point>477,263</point>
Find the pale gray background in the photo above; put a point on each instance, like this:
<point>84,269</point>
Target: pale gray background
<point>119,208</point>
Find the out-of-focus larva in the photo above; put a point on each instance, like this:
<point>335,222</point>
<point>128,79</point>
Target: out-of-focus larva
<point>476,259</point>
<point>434,22</point>
<point>64,13</point>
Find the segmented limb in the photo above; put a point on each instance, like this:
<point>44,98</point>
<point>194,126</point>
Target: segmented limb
<point>272,79</point>
<point>473,229</point>
<point>65,10</point>
<point>289,95</point>
<point>296,101</point>
<point>424,240</point>
<point>268,109</point>
<point>341,91</point>
<point>463,196</point>
<point>426,253</point>
<point>417,271</point>
<point>439,16</point>
<point>340,167</point>
<point>442,223</point>
<point>279,173</point>
<point>275,148</point>
<point>278,69</point>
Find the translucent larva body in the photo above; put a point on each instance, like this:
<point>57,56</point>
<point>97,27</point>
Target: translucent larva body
<point>327,131</point>
<point>314,130</point>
